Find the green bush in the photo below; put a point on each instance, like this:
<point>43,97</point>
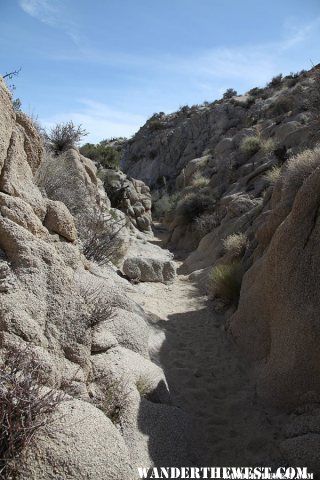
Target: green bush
<point>107,156</point>
<point>275,81</point>
<point>161,206</point>
<point>229,93</point>
<point>193,205</point>
<point>225,282</point>
<point>255,92</point>
<point>282,105</point>
<point>184,109</point>
<point>155,125</point>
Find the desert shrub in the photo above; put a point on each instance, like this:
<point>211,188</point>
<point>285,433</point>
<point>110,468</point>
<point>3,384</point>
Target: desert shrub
<point>184,109</point>
<point>17,104</point>
<point>99,307</point>
<point>313,101</point>
<point>225,282</point>
<point>250,146</point>
<point>161,206</point>
<point>25,405</point>
<point>205,224</point>
<point>107,156</point>
<point>155,125</point>
<point>63,136</point>
<point>255,92</point>
<point>282,105</point>
<point>199,181</point>
<point>229,93</point>
<point>193,205</point>
<point>267,146</point>
<point>100,235</point>
<point>275,81</point>
<point>249,101</point>
<point>273,175</point>
<point>298,168</point>
<point>235,244</point>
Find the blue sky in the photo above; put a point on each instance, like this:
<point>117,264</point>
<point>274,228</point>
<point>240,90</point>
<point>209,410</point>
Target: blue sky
<point>110,64</point>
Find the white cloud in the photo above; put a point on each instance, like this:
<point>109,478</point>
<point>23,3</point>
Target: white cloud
<point>41,10</point>
<point>100,120</point>
<point>50,12</point>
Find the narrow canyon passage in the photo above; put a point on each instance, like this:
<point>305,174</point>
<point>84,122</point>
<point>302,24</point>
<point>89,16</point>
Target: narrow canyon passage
<point>208,378</point>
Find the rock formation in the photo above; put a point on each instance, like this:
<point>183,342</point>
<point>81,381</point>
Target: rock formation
<point>88,339</point>
<point>130,196</point>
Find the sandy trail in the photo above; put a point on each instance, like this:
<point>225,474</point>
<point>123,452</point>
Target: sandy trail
<point>208,378</point>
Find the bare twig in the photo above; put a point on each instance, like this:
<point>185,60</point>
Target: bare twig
<point>12,74</point>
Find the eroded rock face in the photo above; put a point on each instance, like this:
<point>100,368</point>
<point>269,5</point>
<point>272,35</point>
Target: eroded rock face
<point>164,146</point>
<point>131,197</point>
<point>80,442</point>
<point>70,312</point>
<point>277,320</point>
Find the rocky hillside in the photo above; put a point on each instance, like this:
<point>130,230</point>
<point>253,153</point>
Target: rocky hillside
<point>166,143</point>
<point>237,183</point>
<point>75,363</point>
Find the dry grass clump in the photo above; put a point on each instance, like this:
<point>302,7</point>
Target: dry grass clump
<point>205,224</point>
<point>25,405</point>
<point>235,244</point>
<point>273,175</point>
<point>199,181</point>
<point>225,282</point>
<point>298,169</point>
<point>251,145</point>
<point>267,146</point>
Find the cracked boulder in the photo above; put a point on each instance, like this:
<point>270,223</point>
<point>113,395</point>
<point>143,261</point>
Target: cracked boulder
<point>149,269</point>
<point>131,197</point>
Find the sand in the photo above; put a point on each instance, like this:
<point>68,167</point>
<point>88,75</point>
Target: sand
<point>209,378</point>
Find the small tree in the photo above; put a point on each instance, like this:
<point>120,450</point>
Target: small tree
<point>63,136</point>
<point>229,93</point>
<point>275,81</point>
<point>106,155</point>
